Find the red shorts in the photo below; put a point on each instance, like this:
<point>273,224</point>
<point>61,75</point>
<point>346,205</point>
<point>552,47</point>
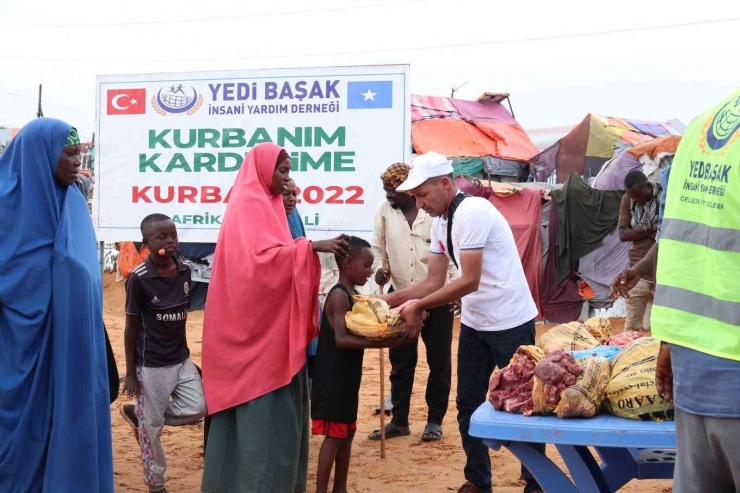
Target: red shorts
<point>331,429</point>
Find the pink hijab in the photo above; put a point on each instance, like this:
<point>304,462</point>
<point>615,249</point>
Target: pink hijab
<point>261,310</point>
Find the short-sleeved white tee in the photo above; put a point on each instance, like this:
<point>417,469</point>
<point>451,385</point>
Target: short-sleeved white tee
<point>503,300</point>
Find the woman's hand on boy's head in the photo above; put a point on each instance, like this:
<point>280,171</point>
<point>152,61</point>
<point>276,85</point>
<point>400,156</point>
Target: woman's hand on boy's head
<point>337,246</point>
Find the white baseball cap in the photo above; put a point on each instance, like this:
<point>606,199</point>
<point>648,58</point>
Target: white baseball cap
<point>424,167</point>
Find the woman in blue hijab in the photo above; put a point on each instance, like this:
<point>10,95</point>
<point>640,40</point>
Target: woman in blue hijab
<point>55,429</point>
<point>295,222</point>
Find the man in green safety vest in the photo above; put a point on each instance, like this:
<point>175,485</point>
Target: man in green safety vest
<point>696,312</point>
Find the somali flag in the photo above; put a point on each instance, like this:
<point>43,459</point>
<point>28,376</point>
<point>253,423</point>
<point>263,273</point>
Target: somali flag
<point>370,95</point>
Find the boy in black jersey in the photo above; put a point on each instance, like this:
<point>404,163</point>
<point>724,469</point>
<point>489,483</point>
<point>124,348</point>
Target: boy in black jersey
<point>159,372</point>
<point>338,372</point>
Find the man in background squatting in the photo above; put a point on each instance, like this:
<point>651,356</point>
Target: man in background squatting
<point>407,243</point>
<point>696,314</point>
<point>498,311</point>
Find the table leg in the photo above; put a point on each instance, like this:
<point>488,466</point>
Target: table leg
<point>550,477</point>
<point>618,466</point>
<point>584,469</point>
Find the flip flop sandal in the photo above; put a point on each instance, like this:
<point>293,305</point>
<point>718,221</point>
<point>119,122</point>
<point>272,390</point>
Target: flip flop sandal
<point>130,420</point>
<point>391,431</point>
<point>432,433</point>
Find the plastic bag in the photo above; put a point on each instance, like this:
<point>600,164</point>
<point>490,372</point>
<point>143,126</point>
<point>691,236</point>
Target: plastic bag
<point>584,398</point>
<point>572,336</point>
<point>631,392</point>
<point>371,319</point>
<point>608,352</point>
<point>600,328</point>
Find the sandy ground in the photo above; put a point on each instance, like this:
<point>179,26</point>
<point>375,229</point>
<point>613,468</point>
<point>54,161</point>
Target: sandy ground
<point>410,465</point>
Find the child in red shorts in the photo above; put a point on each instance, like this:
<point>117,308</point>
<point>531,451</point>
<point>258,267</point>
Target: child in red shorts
<point>338,371</point>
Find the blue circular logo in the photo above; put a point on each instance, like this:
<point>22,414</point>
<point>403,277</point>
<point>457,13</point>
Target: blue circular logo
<point>724,125</point>
<point>177,98</point>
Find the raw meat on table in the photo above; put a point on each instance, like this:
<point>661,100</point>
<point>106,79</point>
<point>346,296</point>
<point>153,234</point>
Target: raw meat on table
<point>555,373</point>
<point>624,339</point>
<point>511,387</point>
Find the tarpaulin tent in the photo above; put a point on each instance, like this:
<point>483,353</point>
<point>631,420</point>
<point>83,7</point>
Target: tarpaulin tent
<point>649,157</point>
<point>477,135</point>
<point>593,142</point>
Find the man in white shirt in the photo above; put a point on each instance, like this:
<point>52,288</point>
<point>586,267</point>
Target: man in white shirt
<point>498,311</point>
<point>407,245</point>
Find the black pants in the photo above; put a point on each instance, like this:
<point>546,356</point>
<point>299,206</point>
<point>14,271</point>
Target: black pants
<point>437,335</point>
<point>478,353</point>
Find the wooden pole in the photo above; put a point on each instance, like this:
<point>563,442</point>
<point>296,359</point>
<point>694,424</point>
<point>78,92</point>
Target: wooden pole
<point>384,256</point>
<point>382,400</point>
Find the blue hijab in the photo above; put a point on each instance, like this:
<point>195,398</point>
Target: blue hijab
<point>295,223</point>
<point>55,428</point>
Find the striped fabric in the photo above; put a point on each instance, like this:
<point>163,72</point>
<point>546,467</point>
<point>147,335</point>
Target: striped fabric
<point>429,107</point>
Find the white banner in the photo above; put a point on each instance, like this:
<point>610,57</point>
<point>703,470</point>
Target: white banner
<point>172,144</point>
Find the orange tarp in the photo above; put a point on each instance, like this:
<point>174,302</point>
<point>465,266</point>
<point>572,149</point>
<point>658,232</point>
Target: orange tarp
<point>656,146</point>
<point>462,139</point>
<point>129,258</point>
<point>586,291</point>
<point>512,142</point>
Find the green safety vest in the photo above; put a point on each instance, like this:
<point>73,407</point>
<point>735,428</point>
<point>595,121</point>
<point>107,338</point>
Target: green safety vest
<point>697,296</point>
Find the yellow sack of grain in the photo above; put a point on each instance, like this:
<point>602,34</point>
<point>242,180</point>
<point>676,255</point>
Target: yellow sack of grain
<point>631,392</point>
<point>572,336</point>
<point>371,319</point>
<point>600,328</point>
<point>584,398</point>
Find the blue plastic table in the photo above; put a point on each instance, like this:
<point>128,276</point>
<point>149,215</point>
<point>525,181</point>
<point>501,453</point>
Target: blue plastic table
<point>628,449</point>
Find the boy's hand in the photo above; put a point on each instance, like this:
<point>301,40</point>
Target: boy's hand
<point>131,387</point>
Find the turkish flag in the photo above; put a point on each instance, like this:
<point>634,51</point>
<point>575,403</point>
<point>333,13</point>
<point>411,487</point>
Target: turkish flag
<point>126,101</point>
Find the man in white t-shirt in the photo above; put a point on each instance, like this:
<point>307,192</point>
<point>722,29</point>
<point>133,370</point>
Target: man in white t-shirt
<point>497,308</point>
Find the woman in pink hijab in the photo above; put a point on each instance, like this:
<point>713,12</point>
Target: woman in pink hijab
<point>261,313</point>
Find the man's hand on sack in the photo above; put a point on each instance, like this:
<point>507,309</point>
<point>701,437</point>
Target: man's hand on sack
<point>413,317</point>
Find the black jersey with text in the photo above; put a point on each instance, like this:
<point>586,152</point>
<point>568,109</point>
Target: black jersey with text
<point>162,306</point>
